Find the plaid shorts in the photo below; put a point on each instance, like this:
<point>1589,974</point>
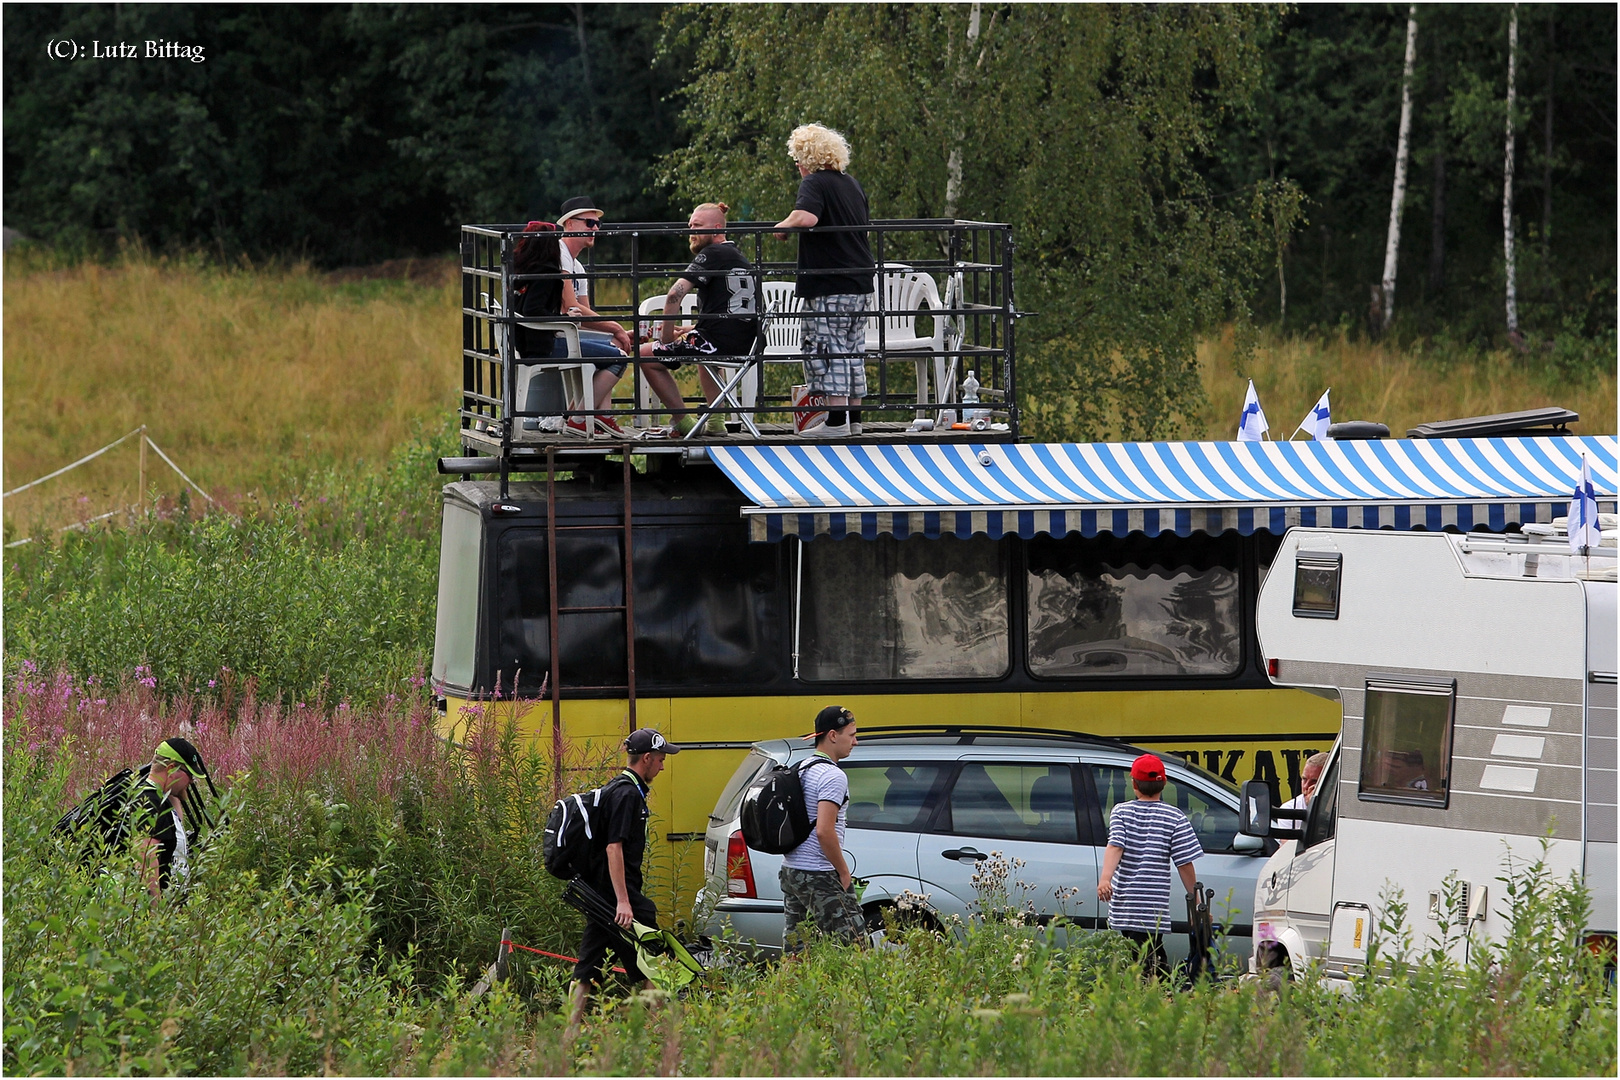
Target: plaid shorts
<point>834,343</point>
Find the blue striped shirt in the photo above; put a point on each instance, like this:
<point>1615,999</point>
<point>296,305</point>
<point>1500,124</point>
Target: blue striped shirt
<point>1153,835</point>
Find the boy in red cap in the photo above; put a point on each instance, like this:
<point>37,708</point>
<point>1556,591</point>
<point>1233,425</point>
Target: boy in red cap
<point>1145,838</point>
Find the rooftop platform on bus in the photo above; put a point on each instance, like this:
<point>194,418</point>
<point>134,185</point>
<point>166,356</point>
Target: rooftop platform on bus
<point>939,354</point>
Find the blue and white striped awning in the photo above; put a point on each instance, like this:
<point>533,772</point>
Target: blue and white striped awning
<point>1001,489</point>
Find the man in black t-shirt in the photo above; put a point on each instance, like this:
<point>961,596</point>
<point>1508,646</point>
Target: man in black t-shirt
<point>728,300</point>
<point>621,819</point>
<point>158,808</point>
<point>835,275</point>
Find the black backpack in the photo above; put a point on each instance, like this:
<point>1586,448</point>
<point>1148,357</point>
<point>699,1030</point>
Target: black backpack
<point>774,819</point>
<point>569,848</point>
<point>101,821</point>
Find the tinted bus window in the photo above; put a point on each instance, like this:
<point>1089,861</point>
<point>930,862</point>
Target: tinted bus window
<point>1103,606</point>
<point>903,609</point>
<point>708,608</point>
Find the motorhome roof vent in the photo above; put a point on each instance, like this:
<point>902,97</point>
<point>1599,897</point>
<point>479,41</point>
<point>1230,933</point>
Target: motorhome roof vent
<point>1549,421</point>
<point>1358,429</point>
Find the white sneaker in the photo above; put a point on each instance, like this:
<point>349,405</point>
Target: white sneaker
<point>826,431</point>
<point>854,427</point>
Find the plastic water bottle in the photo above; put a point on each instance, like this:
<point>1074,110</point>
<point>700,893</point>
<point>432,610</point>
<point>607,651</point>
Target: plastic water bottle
<point>970,400</point>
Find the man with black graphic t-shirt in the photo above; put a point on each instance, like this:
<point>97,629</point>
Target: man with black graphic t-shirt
<point>728,300</point>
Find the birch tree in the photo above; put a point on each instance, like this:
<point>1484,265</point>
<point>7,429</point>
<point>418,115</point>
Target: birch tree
<point>1507,183</point>
<point>1397,198</point>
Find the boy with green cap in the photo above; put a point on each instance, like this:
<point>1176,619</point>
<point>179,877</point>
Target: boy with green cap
<point>158,814</point>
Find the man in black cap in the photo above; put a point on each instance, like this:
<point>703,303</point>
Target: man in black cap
<point>159,814</point>
<point>815,877</point>
<point>622,834</point>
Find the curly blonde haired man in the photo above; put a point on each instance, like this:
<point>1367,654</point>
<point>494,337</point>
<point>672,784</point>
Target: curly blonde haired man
<point>835,275</point>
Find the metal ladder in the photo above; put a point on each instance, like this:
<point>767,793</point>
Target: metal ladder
<point>628,608</point>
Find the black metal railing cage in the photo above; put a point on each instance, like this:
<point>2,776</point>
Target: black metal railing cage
<point>942,307</point>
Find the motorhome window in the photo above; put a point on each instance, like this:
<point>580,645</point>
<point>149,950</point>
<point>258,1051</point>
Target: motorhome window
<point>1316,584</point>
<point>1406,741</point>
<point>1215,823</point>
<point>1135,606</point>
<point>890,796</point>
<point>1014,802</point>
<point>903,609</point>
<point>455,634</point>
<point>1324,809</point>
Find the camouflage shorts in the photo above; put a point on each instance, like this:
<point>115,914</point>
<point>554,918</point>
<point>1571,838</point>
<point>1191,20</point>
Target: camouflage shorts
<point>817,896</point>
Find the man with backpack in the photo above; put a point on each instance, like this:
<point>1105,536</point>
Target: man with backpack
<point>614,868</point>
<point>157,810</point>
<point>815,876</point>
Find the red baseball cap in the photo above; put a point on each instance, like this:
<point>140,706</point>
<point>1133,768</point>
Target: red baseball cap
<point>1147,767</point>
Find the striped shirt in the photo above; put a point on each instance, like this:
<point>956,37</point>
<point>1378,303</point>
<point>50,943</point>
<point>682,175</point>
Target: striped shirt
<point>823,782</point>
<point>1153,835</point>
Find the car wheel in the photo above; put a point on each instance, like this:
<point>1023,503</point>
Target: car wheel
<point>889,917</point>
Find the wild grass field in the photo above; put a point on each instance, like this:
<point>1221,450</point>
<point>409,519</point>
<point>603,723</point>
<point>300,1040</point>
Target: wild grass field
<point>368,870</point>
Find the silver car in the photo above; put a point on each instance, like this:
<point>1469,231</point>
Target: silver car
<point>927,808</point>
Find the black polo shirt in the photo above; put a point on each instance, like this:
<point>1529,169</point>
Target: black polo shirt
<point>623,819</point>
<point>151,815</point>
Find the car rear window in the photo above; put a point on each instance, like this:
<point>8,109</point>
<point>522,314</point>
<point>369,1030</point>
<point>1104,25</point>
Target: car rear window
<point>731,797</point>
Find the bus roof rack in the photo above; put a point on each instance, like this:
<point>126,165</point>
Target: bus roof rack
<point>1551,420</point>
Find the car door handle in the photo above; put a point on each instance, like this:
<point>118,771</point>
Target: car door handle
<point>965,853</point>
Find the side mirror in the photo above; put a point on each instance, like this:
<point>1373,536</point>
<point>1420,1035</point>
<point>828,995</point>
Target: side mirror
<point>1254,811</point>
<point>1247,845</point>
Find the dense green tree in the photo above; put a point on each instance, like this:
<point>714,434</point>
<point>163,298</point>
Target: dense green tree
<point>343,133</point>
<point>1326,115</point>
<point>1082,125</point>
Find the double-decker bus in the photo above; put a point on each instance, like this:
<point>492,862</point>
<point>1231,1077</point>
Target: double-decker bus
<point>723,588</point>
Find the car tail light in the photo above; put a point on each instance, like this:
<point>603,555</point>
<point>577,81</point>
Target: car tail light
<point>739,871</point>
<point>1272,666</point>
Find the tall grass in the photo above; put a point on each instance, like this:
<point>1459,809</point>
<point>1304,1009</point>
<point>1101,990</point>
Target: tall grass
<point>367,871</point>
<point>250,378</point>
<point>1401,386</point>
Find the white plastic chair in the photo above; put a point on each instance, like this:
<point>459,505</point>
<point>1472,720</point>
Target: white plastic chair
<point>575,372</point>
<point>906,291</point>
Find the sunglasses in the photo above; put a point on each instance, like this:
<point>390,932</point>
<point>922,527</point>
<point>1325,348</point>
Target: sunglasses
<point>589,223</point>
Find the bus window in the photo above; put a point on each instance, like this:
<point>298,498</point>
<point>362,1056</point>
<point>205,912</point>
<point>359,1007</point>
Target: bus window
<point>707,607</point>
<point>455,635</point>
<point>903,609</point>
<point>1137,606</point>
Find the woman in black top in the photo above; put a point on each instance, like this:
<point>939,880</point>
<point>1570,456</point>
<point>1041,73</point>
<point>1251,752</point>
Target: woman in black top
<point>538,252</point>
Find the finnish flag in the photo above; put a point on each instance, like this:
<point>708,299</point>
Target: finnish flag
<point>1316,422</point>
<point>1584,531</point>
<point>1252,424</point>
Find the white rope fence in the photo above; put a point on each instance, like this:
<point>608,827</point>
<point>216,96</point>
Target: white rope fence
<point>146,440</point>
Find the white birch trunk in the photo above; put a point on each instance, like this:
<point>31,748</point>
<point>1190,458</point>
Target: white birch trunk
<point>1397,198</point>
<point>953,163</point>
<point>1507,182</point>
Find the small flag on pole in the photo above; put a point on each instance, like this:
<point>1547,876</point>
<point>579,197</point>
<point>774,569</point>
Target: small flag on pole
<point>1316,421</point>
<point>1584,532</point>
<point>1252,424</point>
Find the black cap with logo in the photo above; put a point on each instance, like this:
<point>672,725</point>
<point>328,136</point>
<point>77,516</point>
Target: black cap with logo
<point>647,741</point>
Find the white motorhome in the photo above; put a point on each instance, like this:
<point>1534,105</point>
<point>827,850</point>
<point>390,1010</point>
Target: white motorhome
<point>1476,676</point>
